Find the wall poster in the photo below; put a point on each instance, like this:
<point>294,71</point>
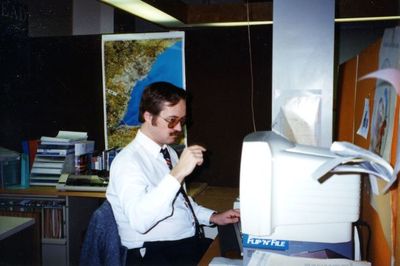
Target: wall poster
<point>130,63</point>
<point>385,96</point>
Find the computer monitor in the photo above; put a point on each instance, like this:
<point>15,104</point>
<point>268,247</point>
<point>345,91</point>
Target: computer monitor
<point>280,202</point>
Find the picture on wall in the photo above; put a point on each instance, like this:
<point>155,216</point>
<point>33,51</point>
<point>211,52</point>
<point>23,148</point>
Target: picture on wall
<point>130,63</point>
<point>385,96</point>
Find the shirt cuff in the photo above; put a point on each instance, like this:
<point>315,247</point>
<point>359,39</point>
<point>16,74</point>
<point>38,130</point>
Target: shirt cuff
<point>172,181</point>
<point>206,213</point>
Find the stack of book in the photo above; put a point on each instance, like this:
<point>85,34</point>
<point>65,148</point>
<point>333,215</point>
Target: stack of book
<point>58,155</point>
<point>51,160</point>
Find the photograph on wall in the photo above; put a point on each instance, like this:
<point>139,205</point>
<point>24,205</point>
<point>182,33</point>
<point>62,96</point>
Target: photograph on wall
<point>130,63</point>
<point>380,119</point>
<point>364,125</point>
<point>385,96</point>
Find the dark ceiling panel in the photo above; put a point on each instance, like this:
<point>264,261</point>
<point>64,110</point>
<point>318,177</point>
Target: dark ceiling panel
<point>192,12</point>
<point>361,8</point>
<point>229,13</point>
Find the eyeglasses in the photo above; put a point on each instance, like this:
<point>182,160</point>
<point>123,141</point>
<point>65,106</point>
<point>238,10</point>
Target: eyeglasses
<point>173,121</point>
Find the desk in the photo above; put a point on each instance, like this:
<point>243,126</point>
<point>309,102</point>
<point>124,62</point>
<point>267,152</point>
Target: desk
<point>10,225</point>
<point>219,199</point>
<point>17,241</point>
<point>212,251</point>
<point>81,204</point>
<point>61,218</point>
<point>193,190</point>
<point>215,251</point>
<point>50,191</point>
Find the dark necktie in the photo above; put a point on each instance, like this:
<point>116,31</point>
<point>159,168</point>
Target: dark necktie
<point>199,229</point>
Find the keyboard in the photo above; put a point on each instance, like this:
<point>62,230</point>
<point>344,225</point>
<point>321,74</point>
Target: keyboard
<point>230,239</point>
<point>63,187</point>
<point>70,182</point>
<point>238,233</point>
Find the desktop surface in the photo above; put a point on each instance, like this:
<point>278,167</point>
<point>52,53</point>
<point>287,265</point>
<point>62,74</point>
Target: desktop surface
<point>10,225</point>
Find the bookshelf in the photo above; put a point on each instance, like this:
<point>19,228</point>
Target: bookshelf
<point>60,221</point>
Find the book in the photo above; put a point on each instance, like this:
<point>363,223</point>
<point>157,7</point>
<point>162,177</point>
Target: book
<point>49,159</point>
<point>57,146</point>
<point>43,183</point>
<point>45,178</point>
<point>83,154</point>
<point>41,170</point>
<point>53,223</point>
<point>49,164</point>
<point>65,137</point>
<point>82,163</point>
<point>54,152</point>
<point>46,170</point>
<point>25,146</point>
<point>84,147</point>
<point>101,161</point>
<point>32,148</point>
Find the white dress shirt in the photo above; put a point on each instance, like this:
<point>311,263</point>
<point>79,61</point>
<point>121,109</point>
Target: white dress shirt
<point>144,198</point>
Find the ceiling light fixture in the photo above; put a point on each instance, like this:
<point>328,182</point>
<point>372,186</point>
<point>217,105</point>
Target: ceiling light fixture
<point>145,11</point>
<point>230,24</point>
<point>367,19</point>
<point>150,13</point>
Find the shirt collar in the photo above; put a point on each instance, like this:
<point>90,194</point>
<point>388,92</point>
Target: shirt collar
<point>151,146</point>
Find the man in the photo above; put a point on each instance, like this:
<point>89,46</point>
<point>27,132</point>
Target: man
<point>155,220</point>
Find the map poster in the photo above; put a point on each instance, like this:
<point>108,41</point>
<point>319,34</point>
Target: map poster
<point>130,63</point>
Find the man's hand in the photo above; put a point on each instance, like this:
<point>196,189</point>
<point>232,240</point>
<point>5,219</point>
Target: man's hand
<point>226,217</point>
<point>190,157</point>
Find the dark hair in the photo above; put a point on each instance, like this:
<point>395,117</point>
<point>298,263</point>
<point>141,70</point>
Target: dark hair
<point>156,94</point>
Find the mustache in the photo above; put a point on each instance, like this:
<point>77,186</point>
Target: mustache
<point>175,133</point>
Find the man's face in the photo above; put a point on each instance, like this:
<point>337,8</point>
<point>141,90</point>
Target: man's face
<point>166,127</point>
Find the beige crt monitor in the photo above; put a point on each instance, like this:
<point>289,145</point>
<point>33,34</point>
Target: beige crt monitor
<point>280,200</point>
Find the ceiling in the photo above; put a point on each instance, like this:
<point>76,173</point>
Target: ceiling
<point>201,12</point>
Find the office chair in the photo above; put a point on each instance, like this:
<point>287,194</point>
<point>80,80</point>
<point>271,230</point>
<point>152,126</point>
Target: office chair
<point>102,243</point>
